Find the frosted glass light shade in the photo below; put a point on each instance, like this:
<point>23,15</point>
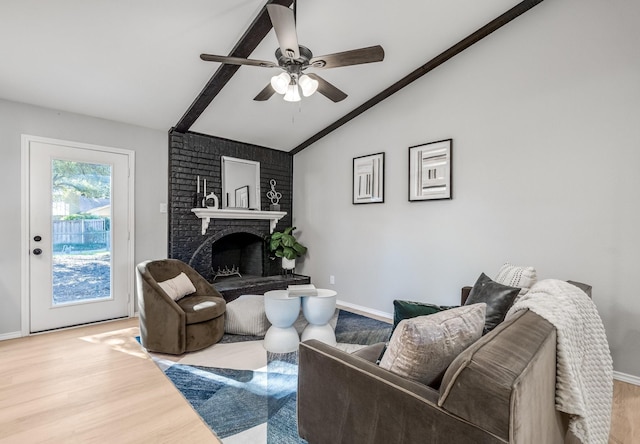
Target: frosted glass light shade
<point>280,83</point>
<point>308,85</point>
<point>292,94</point>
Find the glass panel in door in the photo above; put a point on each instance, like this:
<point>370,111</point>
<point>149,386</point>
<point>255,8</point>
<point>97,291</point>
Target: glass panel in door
<point>81,235</point>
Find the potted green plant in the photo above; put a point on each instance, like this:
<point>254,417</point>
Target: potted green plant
<point>283,244</point>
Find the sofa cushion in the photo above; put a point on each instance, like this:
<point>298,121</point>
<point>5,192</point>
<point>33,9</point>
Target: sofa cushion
<point>517,276</point>
<point>178,287</point>
<point>246,316</point>
<point>498,298</point>
<point>371,353</point>
<point>422,348</point>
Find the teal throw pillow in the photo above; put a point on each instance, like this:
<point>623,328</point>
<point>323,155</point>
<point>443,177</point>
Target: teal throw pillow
<point>410,309</point>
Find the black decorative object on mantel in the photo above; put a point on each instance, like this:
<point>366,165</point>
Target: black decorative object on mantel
<point>198,197</point>
<point>197,200</point>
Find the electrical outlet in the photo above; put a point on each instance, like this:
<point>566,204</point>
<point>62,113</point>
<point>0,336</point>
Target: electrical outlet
<point>332,280</point>
<point>163,207</point>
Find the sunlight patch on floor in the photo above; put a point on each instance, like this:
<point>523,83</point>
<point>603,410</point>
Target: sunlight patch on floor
<point>120,340</point>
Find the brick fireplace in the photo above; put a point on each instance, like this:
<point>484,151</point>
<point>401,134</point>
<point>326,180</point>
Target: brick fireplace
<point>226,242</point>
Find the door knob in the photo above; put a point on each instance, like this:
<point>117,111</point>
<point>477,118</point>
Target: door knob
<point>37,251</point>
<point>37,238</point>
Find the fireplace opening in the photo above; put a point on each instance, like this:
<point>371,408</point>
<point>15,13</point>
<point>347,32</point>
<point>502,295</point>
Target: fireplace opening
<point>237,255</point>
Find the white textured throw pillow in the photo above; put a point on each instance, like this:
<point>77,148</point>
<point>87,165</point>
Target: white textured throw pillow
<point>178,287</point>
<point>516,276</point>
<point>245,316</point>
<point>422,348</point>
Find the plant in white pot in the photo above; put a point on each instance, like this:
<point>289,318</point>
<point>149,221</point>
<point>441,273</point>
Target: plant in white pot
<point>283,244</point>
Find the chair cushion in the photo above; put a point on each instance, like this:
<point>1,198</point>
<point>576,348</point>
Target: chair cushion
<point>422,348</point>
<point>498,298</point>
<point>202,308</point>
<point>178,287</point>
<point>246,316</point>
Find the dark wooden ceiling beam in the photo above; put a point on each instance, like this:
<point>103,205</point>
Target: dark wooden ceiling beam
<point>463,44</point>
<point>256,32</point>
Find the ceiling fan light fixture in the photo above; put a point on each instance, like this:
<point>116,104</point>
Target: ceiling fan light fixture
<point>280,83</point>
<point>292,94</point>
<point>308,85</point>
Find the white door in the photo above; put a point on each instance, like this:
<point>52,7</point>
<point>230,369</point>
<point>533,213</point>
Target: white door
<point>79,233</point>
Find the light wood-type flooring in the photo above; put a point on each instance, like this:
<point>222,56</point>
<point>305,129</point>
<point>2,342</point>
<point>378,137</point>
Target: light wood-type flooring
<point>95,384</point>
<point>92,384</point>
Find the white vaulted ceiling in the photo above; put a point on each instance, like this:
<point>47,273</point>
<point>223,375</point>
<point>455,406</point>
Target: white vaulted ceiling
<point>137,61</point>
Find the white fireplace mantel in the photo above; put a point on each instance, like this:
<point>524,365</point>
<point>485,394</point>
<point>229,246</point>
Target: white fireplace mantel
<point>206,214</point>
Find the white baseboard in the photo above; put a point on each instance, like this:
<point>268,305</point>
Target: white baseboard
<point>368,310</point>
<point>12,335</point>
<point>624,377</point>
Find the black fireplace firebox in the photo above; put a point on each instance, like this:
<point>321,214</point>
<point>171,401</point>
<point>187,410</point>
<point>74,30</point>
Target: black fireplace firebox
<point>237,254</point>
<point>239,265</point>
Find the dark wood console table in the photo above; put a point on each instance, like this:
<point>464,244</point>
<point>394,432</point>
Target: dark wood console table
<point>232,288</point>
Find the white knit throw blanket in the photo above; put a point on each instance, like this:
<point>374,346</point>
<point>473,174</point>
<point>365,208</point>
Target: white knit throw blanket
<point>584,370</point>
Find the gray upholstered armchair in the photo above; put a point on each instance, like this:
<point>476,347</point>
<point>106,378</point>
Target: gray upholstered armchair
<point>192,323</point>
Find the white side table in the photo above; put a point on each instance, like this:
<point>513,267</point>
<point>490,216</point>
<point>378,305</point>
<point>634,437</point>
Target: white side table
<point>282,311</point>
<point>318,310</point>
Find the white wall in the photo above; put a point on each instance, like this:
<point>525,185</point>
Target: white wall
<point>544,116</point>
<point>151,186</point>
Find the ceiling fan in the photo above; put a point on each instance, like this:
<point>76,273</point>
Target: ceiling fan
<point>295,59</point>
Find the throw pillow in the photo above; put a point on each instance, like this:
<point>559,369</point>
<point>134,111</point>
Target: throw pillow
<point>498,298</point>
<point>422,348</point>
<point>410,309</point>
<point>246,316</point>
<point>517,276</point>
<point>178,287</point>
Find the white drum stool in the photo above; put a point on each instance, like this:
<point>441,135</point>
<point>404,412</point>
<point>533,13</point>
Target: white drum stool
<point>318,310</point>
<point>282,311</point>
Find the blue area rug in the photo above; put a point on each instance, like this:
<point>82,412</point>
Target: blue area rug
<point>233,401</point>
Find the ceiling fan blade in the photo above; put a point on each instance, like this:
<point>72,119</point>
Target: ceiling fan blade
<point>284,23</point>
<point>237,61</point>
<point>347,58</point>
<point>265,94</point>
<point>328,90</point>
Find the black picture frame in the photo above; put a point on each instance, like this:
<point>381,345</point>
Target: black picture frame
<point>368,179</point>
<point>242,197</point>
<point>431,171</point>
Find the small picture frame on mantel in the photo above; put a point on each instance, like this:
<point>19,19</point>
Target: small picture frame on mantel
<point>242,197</point>
<point>430,171</point>
<point>368,179</point>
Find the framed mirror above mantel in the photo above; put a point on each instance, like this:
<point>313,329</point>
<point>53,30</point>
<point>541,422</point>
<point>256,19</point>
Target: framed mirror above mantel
<point>240,183</point>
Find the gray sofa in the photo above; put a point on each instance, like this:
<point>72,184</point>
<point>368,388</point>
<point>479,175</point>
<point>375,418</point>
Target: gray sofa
<point>499,390</point>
